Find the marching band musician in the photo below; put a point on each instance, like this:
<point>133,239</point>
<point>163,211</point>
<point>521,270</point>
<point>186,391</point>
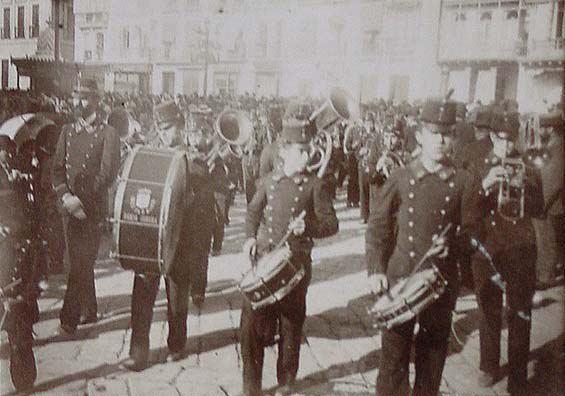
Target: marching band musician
<point>510,242</point>
<point>188,273</point>
<point>414,205</point>
<point>549,228</point>
<point>280,198</point>
<point>85,166</point>
<point>367,145</point>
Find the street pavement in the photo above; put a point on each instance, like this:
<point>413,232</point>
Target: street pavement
<point>340,350</point>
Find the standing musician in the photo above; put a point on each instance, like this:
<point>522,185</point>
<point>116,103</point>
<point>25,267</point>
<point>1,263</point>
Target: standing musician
<point>190,261</point>
<point>19,270</point>
<point>414,205</point>
<point>281,196</point>
<point>85,166</point>
<point>510,242</point>
<point>366,146</point>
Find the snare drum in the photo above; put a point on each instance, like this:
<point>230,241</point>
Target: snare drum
<point>402,303</point>
<point>274,277</point>
<point>148,209</point>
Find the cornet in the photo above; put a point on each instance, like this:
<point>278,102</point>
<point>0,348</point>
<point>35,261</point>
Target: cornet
<point>511,189</point>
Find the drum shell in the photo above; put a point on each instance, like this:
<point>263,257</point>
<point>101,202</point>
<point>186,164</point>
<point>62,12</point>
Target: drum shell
<point>149,209</point>
<point>267,289</point>
<point>402,304</point>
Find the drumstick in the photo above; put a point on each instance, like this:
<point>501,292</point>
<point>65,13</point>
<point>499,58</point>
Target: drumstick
<point>289,232</point>
<point>424,257</point>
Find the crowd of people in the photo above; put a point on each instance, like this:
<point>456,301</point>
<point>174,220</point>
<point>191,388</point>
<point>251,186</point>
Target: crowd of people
<point>472,191</point>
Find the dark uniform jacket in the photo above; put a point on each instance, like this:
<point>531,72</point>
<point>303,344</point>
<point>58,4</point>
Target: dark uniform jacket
<point>85,164</point>
<point>278,200</point>
<point>413,205</point>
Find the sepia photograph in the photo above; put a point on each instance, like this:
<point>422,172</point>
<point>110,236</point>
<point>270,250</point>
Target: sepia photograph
<point>282,197</point>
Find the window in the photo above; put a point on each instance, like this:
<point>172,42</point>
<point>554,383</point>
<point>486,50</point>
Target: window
<point>486,18</point>
<point>5,71</point>
<point>6,24</point>
<point>225,83</point>
<point>370,43</point>
<point>168,82</point>
<point>125,38</point>
<point>89,17</point>
<point>35,21</point>
<point>560,20</point>
<point>21,22</point>
<point>87,55</point>
<point>460,17</point>
<point>99,46</point>
<point>512,14</point>
<point>261,41</point>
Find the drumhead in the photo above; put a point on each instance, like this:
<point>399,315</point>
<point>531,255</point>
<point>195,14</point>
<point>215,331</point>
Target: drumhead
<point>148,208</point>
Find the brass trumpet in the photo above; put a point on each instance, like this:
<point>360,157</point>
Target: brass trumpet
<point>511,189</point>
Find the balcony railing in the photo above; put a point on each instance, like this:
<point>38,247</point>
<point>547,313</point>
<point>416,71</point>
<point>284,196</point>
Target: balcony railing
<point>551,49</point>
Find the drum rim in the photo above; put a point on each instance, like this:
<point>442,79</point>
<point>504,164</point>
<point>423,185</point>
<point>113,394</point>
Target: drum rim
<point>166,204</point>
<point>281,292</point>
<point>119,198</point>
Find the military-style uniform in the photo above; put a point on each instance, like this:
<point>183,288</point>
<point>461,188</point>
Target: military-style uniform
<point>279,200</point>
<point>368,146</point>
<point>511,244</point>
<point>188,274</point>
<point>85,164</point>
<point>411,207</point>
<point>222,196</point>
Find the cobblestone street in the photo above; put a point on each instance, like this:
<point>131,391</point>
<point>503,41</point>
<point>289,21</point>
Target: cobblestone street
<point>340,350</point>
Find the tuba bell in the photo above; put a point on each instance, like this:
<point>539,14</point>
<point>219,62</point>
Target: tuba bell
<point>233,130</point>
<point>339,106</point>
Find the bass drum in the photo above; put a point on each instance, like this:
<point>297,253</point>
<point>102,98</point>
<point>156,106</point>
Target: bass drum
<point>148,209</point>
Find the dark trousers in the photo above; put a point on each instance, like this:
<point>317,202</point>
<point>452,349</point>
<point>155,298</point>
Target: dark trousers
<point>549,243</point>
<point>222,205</point>
<point>430,346</point>
<point>83,240</point>
<point>517,269</point>
<point>353,183</point>
<point>145,289</point>
<point>291,314</point>
<point>364,197</point>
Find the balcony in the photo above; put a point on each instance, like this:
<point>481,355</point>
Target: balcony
<point>476,50</point>
<point>545,50</point>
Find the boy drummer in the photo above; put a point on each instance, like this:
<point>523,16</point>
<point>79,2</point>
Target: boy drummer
<point>414,205</point>
<point>281,196</point>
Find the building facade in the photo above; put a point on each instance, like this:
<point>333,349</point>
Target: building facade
<point>496,50</point>
<point>27,32</point>
<point>279,47</point>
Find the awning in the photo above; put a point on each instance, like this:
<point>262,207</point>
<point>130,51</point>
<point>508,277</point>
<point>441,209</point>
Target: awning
<point>34,66</point>
<point>46,74</point>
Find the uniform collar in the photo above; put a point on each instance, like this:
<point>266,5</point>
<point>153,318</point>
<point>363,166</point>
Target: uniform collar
<point>298,178</point>
<point>491,159</point>
<point>419,171</point>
